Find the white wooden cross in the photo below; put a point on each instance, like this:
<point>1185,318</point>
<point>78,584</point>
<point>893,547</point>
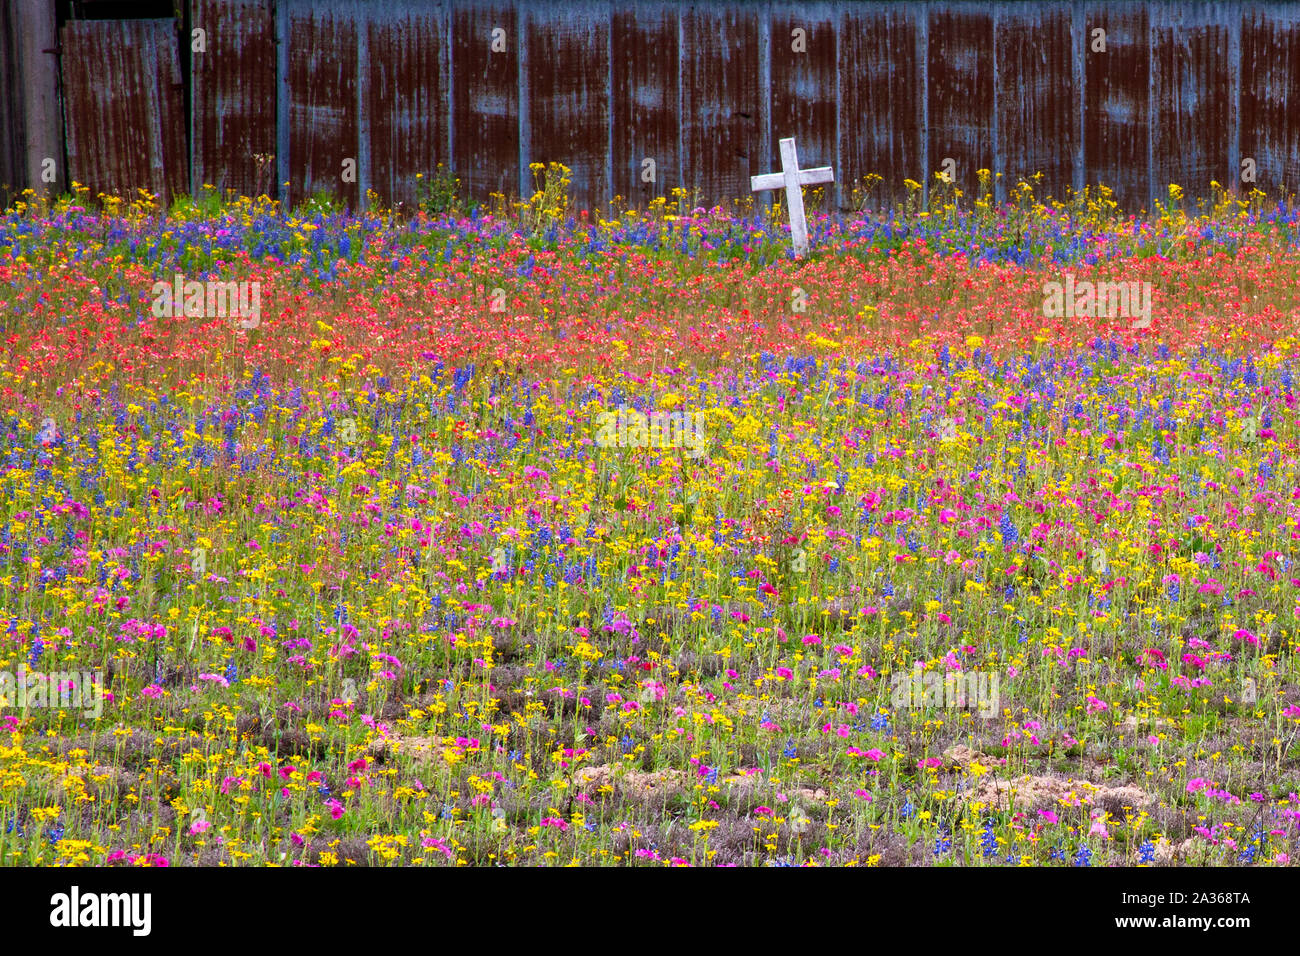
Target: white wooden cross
<point>793,179</point>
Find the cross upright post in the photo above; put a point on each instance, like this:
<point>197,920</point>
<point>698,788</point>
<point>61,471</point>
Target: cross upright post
<point>793,179</point>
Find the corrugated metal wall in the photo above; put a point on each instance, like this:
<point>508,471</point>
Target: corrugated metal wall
<point>640,97</point>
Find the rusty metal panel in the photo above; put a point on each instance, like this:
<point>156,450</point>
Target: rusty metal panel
<point>408,105</point>
<point>804,86</point>
<point>1193,111</point>
<point>959,73</point>
<point>234,96</point>
<point>485,98</point>
<point>1270,92</point>
<point>881,94</point>
<point>124,107</point>
<point>1037,100</point>
<point>1117,92</point>
<point>645,103</point>
<point>568,102</point>
<point>324,130</point>
<point>722,100</point>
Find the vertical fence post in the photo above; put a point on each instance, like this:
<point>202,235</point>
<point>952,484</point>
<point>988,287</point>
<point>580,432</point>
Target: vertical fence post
<point>365,176</point>
<point>1078,37</point>
<point>37,63</point>
<point>1234,101</point>
<point>923,68</point>
<point>522,17</point>
<point>282,137</point>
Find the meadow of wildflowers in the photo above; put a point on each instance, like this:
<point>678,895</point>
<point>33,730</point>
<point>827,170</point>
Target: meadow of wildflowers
<point>878,563</point>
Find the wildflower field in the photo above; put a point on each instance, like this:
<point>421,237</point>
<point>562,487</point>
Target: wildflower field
<point>362,582</point>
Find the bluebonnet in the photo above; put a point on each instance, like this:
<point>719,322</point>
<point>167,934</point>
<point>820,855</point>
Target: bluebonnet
<point>942,843</point>
<point>989,840</point>
<point>1010,535</point>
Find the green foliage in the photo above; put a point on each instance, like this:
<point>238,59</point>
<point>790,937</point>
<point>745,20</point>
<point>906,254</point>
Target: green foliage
<point>439,194</point>
<point>206,205</point>
<point>320,203</point>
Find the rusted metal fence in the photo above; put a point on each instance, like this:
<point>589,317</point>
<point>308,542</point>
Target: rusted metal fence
<point>640,97</point>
